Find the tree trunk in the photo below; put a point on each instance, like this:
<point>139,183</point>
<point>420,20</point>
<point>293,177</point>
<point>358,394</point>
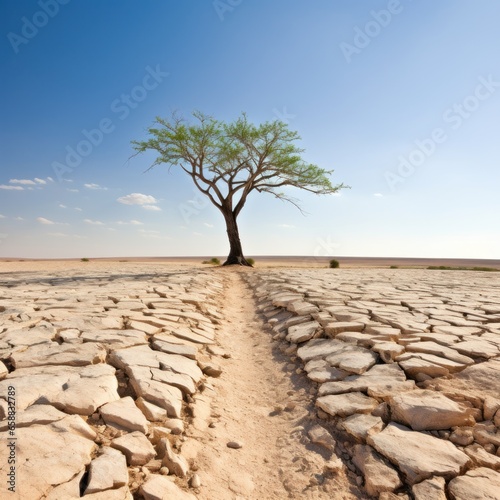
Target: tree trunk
<point>235,252</point>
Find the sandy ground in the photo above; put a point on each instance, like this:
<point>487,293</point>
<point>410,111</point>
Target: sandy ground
<point>26,265</point>
<point>249,405</point>
<point>259,400</point>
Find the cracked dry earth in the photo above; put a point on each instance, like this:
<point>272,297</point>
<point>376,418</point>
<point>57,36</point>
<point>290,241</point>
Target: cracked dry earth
<point>151,381</point>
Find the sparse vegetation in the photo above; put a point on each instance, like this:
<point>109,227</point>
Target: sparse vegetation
<point>334,264</point>
<point>462,268</point>
<point>394,267</point>
<point>85,259</point>
<point>214,261</point>
<point>251,261</point>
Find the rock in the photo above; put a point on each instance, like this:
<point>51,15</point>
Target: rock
<point>360,426</point>
<point>124,413</point>
<point>235,445</point>
<point>462,436</point>
<point>69,489</point>
<point>176,425</point>
<point>151,411</point>
<point>420,362</point>
<point>336,327</point>
<point>484,435</point>
<point>418,456</point>
<point>430,489</point>
<point>47,455</point>
<point>3,371</point>
<point>36,414</point>
<point>318,348</point>
<point>301,307</point>
<point>71,389</point>
<point>353,359</point>
<point>208,367</point>
<point>343,405</point>
<point>189,351</point>
<point>388,351</point>
<point>161,488</point>
<point>414,366</point>
<point>477,348</point>
<point>319,435</point>
<point>136,447</point>
<point>176,464</point>
<point>122,493</point>
<point>429,410</point>
<point>380,381</point>
<point>379,475</point>
<point>153,391</point>
<point>334,465</point>
<point>195,481</point>
<point>180,380</point>
<point>481,458</point>
<point>429,347</point>
<point>476,484</point>
<point>490,407</point>
<point>55,354</point>
<point>107,471</point>
<point>300,333</point>
<point>95,386</point>
<point>115,338</point>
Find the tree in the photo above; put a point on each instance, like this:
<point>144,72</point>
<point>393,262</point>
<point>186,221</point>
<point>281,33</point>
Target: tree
<point>227,161</point>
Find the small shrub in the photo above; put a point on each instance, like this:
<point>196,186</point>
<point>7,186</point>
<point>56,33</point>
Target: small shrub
<point>251,261</point>
<point>85,259</point>
<point>214,261</point>
<point>334,264</point>
<point>394,267</point>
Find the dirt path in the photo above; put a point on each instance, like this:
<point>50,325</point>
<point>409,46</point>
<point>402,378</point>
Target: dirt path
<point>259,403</point>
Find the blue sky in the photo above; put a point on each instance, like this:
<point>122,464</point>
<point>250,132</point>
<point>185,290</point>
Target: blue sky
<point>401,98</point>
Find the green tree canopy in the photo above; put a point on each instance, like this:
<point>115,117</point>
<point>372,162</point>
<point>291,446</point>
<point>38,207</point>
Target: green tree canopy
<point>227,161</point>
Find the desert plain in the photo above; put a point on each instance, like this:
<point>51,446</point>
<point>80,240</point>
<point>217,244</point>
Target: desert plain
<point>170,379</point>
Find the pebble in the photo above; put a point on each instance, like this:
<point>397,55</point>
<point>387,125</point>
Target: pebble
<point>235,445</point>
<point>195,481</point>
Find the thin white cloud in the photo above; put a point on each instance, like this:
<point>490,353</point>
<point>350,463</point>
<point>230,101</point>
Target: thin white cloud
<point>40,181</point>
<point>153,208</point>
<point>43,220</point>
<point>2,216</point>
<point>50,179</point>
<point>57,235</point>
<point>74,190</point>
<point>19,218</point>
<point>11,188</point>
<point>287,226</point>
<point>93,222</point>
<point>378,195</point>
<point>207,224</point>
<point>78,209</point>
<point>95,186</point>
<point>137,199</point>
<point>62,206</point>
<point>130,223</point>
<point>26,182</point>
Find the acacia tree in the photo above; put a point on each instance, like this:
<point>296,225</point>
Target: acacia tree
<point>227,161</point>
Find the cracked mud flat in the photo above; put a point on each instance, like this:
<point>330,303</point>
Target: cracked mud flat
<point>137,380</point>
